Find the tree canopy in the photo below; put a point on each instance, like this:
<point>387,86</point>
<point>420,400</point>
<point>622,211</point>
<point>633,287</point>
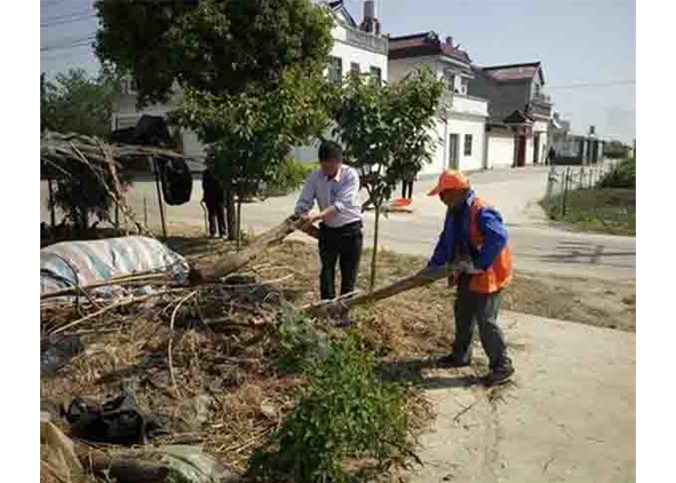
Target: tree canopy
<point>215,46</point>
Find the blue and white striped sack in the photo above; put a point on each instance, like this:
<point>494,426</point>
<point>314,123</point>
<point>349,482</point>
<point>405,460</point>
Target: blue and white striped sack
<point>82,263</point>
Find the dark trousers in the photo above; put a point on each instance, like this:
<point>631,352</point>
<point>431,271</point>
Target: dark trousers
<point>472,309</point>
<point>407,187</point>
<point>343,245</point>
<point>216,212</point>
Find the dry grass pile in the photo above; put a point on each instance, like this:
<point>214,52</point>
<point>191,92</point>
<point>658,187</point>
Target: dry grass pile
<point>202,360</point>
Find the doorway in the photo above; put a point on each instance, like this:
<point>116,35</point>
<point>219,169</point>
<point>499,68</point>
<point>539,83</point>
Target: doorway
<point>453,151</point>
<point>536,148</point>
<point>520,151</point>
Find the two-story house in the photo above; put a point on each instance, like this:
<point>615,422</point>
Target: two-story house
<point>519,112</point>
<point>459,130</point>
<point>356,48</point>
<point>359,48</point>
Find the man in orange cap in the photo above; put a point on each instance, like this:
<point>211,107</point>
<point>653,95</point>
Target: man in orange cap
<point>475,238</point>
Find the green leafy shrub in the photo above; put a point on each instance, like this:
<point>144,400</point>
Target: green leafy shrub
<point>298,341</point>
<point>345,415</point>
<point>623,175</point>
<point>289,176</point>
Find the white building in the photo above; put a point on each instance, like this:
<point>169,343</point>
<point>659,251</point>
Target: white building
<point>460,132</point>
<point>359,48</point>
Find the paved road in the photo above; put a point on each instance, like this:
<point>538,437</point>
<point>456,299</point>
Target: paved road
<point>536,243</point>
<point>570,415</point>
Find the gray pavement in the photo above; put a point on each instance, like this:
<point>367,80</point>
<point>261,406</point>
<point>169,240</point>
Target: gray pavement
<point>570,414</point>
<point>537,244</point>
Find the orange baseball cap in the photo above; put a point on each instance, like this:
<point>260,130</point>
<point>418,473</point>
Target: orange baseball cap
<point>450,180</point>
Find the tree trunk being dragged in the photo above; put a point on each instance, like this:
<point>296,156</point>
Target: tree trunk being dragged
<point>340,306</point>
<point>231,262</point>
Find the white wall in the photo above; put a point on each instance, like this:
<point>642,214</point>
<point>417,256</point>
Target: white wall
<point>438,151</point>
<point>529,150</point>
<point>348,53</point>
<point>477,128</point>
<point>500,149</point>
<point>470,105</point>
<point>461,127</point>
<point>398,68</point>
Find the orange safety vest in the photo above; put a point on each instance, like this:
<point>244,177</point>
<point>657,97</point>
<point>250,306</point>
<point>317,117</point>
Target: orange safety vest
<point>499,274</point>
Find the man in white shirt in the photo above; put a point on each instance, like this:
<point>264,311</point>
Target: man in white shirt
<point>335,187</point>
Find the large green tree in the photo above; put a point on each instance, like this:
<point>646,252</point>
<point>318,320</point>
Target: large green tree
<point>386,132</point>
<point>248,73</point>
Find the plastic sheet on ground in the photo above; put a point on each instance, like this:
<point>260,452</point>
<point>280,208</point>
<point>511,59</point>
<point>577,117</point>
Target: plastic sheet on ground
<point>190,464</point>
<point>58,461</point>
<point>68,264</point>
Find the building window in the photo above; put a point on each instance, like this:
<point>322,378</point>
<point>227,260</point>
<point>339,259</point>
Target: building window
<point>335,69</point>
<point>354,68</point>
<point>450,79</point>
<point>468,144</point>
<point>376,75</point>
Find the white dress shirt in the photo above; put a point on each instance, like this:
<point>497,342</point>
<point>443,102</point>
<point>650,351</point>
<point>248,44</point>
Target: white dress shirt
<point>341,192</point>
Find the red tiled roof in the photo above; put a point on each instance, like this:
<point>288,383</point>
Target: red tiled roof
<point>426,43</point>
<point>513,71</point>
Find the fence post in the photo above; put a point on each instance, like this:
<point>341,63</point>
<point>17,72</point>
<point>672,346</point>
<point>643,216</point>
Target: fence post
<point>145,212</point>
<point>565,192</point>
<point>581,184</point>
<point>552,172</point>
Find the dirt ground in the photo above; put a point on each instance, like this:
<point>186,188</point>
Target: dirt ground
<point>597,302</point>
<point>413,326</point>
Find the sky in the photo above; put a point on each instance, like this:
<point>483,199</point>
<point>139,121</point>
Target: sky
<point>587,47</point>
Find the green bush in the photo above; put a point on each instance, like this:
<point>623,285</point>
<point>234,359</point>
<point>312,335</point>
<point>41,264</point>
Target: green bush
<point>344,414</point>
<point>298,341</point>
<point>290,176</point>
<point>623,175</point>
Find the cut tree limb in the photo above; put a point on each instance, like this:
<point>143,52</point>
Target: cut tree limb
<point>231,262</point>
<point>121,469</point>
<point>342,305</point>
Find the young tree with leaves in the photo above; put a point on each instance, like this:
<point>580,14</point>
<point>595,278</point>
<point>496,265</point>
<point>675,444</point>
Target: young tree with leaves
<point>78,103</point>
<point>386,131</point>
<point>247,71</point>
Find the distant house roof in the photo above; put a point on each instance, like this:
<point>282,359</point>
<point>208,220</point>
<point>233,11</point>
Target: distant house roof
<point>340,10</point>
<point>421,44</point>
<point>512,72</point>
<point>518,117</point>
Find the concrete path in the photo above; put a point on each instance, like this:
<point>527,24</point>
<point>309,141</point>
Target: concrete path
<point>537,245</point>
<point>569,416</point>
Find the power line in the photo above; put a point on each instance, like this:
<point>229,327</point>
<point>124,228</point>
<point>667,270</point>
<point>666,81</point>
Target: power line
<point>67,21</point>
<point>67,43</point>
<point>47,56</point>
<point>593,84</point>
<point>68,15</point>
<point>54,2</point>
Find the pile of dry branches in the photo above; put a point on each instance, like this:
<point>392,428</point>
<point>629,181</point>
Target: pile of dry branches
<point>200,358</point>
<point>60,152</point>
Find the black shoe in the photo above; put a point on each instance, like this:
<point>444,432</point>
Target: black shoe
<point>451,361</point>
<point>499,375</point>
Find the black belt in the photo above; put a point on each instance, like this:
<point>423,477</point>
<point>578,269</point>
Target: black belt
<point>352,226</point>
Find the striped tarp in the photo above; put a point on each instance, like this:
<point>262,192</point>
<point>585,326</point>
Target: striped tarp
<point>67,264</point>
